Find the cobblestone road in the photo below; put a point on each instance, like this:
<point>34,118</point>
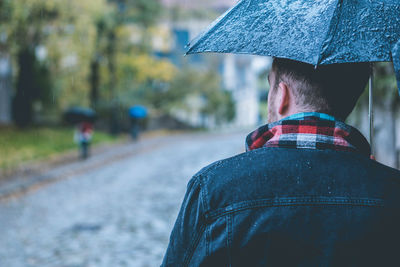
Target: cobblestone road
<point>116,214</point>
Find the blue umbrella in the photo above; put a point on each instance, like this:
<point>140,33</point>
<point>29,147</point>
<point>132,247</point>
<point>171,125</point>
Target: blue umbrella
<point>317,32</point>
<point>138,112</point>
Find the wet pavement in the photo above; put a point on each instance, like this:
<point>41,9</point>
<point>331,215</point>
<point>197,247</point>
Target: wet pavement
<point>117,210</point>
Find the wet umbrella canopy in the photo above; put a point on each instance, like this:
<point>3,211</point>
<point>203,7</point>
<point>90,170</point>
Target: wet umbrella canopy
<point>317,32</point>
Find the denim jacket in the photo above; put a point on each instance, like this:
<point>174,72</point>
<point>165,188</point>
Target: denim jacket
<point>289,207</point>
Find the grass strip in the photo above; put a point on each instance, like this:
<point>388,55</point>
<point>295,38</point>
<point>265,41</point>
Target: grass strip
<point>18,146</point>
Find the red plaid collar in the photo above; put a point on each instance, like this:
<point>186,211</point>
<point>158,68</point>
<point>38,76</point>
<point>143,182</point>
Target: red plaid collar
<point>309,131</point>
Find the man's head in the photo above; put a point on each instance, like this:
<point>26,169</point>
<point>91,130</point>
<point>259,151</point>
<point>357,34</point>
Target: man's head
<point>299,87</point>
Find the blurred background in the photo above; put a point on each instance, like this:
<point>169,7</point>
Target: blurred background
<point>112,55</point>
<point>103,120</point>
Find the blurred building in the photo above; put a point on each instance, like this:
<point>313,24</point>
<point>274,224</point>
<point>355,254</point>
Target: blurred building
<point>239,73</point>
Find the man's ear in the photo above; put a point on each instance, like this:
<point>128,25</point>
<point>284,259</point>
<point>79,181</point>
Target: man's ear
<point>284,98</point>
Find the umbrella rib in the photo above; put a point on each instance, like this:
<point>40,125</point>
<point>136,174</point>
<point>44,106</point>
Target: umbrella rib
<point>371,111</point>
<point>329,37</point>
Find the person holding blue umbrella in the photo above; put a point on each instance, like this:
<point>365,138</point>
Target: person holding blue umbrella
<point>137,115</point>
<point>306,192</point>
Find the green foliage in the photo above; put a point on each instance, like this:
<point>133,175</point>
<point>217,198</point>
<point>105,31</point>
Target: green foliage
<point>59,28</point>
<point>5,11</point>
<point>38,143</point>
<point>141,75</point>
<point>143,12</point>
<point>263,89</point>
<point>194,91</point>
<point>385,93</point>
<point>385,87</point>
<point>218,103</point>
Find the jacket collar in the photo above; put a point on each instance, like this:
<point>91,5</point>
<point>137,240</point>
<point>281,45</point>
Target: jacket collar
<point>309,130</point>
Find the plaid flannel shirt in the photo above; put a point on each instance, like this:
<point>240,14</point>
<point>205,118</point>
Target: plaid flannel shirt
<point>309,130</point>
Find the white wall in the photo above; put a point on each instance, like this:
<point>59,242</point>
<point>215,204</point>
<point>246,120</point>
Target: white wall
<point>241,77</point>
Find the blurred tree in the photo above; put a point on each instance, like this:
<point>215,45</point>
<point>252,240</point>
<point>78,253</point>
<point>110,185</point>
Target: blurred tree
<point>32,83</point>
<point>219,103</point>
<point>74,52</point>
<point>29,18</point>
<point>126,12</point>
<point>140,76</point>
<point>45,34</point>
<point>94,76</point>
<point>5,62</point>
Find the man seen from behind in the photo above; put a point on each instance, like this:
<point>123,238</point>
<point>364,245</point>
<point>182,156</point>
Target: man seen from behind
<point>305,193</point>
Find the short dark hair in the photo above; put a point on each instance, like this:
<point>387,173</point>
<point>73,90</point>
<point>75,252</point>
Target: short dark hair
<point>333,89</point>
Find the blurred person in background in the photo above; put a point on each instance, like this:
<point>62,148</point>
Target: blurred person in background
<point>306,192</point>
<point>135,127</point>
<point>83,136</point>
<point>138,115</point>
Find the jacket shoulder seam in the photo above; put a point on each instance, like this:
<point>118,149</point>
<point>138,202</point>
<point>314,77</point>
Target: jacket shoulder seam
<point>294,201</point>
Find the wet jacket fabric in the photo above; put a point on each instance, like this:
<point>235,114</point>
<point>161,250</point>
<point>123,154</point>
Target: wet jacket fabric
<point>277,206</point>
